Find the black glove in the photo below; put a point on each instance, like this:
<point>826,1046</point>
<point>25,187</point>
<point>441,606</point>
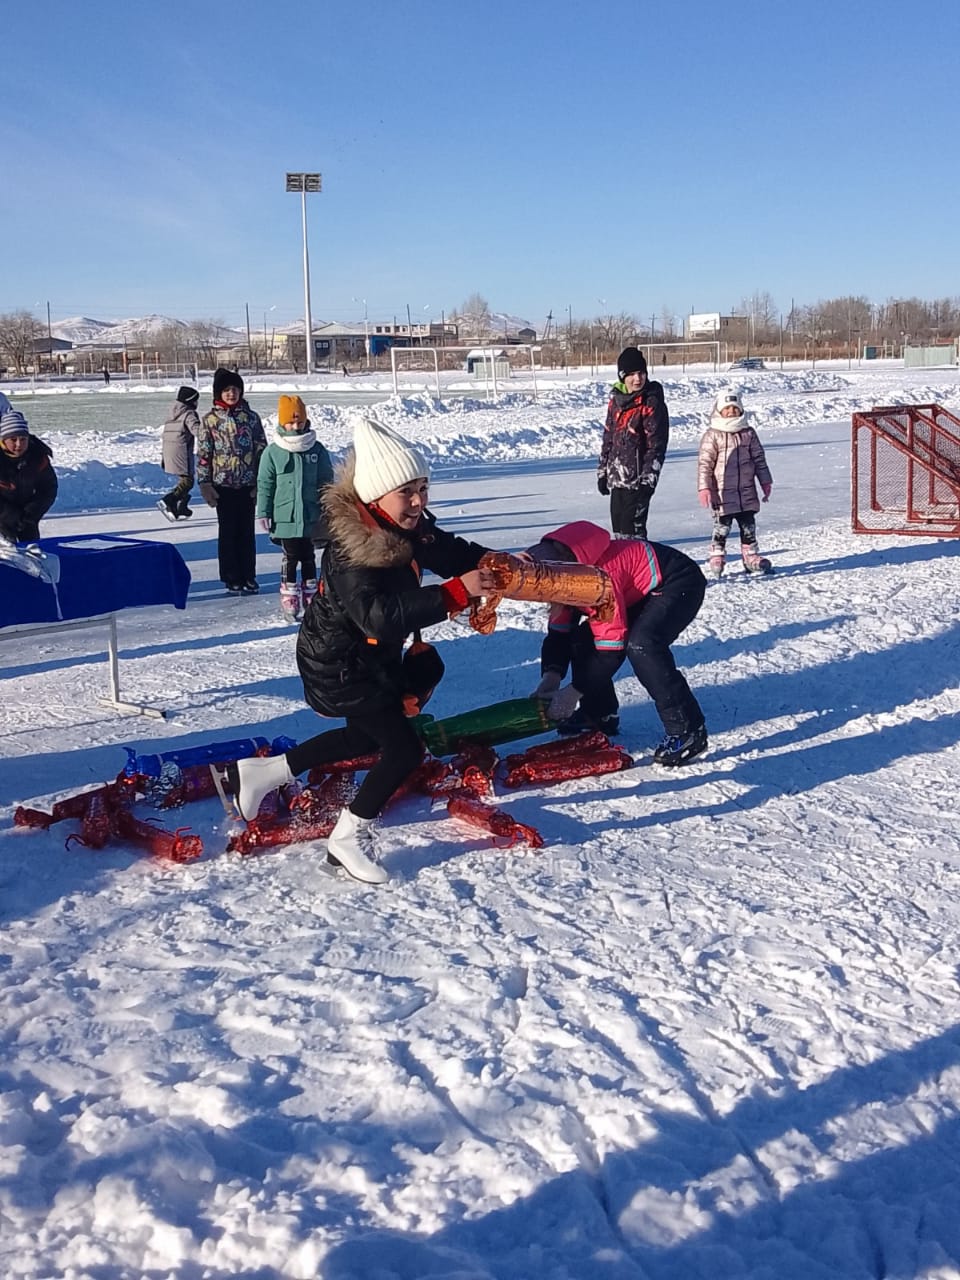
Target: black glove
<point>602,485</point>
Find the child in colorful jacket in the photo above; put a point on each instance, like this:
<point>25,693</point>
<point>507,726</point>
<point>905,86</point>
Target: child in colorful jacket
<point>730,464</point>
<point>634,445</point>
<point>294,470</point>
<point>658,592</point>
<point>230,441</point>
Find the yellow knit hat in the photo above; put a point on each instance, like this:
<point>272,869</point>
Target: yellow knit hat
<point>288,407</point>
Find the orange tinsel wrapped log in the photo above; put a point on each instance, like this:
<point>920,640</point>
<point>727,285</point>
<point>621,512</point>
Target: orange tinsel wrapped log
<point>297,831</point>
<point>428,779</point>
<point>32,818</point>
<point>173,845</point>
<point>465,806</point>
<point>582,586</point>
<point>564,768</point>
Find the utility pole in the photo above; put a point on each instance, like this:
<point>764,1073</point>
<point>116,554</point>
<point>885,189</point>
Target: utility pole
<point>249,343</point>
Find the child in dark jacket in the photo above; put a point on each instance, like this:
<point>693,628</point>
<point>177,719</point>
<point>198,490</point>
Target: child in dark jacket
<point>28,482</point>
<point>350,647</point>
<point>634,445</point>
<point>658,592</point>
<point>294,471</point>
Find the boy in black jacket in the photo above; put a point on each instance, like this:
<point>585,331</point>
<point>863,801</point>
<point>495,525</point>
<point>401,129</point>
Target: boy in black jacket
<point>634,445</point>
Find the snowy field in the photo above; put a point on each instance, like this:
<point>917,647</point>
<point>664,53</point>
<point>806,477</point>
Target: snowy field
<point>709,1031</point>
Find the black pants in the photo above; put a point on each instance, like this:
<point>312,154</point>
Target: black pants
<point>178,496</point>
<point>654,625</point>
<point>236,536</point>
<point>298,551</point>
<point>386,729</point>
<point>747,521</point>
<point>628,511</point>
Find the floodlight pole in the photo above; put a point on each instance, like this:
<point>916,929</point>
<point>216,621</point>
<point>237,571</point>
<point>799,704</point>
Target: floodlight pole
<point>304,182</point>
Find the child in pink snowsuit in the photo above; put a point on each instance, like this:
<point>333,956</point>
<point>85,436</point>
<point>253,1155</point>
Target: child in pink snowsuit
<point>658,592</point>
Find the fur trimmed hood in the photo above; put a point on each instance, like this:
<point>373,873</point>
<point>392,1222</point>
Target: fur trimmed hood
<point>359,535</point>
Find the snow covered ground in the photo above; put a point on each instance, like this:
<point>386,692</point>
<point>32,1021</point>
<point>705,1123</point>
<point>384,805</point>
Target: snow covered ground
<point>710,1030</point>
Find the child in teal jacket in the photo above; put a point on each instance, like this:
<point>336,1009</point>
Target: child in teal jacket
<point>295,467</point>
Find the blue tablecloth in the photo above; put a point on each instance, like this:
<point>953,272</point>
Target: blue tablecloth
<point>99,573</point>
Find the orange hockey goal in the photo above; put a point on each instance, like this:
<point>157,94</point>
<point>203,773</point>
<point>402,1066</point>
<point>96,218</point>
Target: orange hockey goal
<point>905,471</point>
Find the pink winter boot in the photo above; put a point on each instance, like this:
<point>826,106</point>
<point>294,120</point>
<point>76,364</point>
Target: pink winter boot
<point>308,590</point>
<point>716,562</point>
<point>753,561</point>
<point>290,601</point>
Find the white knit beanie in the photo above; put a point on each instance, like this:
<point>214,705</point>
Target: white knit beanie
<point>385,461</point>
<point>725,397</point>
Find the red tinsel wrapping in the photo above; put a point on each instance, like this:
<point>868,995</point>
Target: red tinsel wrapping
<point>76,806</point>
<point>430,778</point>
<point>324,799</point>
<point>476,764</point>
<point>609,760</point>
<point>173,845</point>
<point>359,764</point>
<point>270,835</point>
<point>97,825</point>
<point>32,818</point>
<point>560,748</point>
<point>465,806</point>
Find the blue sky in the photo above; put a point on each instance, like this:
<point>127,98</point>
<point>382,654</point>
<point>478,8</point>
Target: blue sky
<point>626,156</point>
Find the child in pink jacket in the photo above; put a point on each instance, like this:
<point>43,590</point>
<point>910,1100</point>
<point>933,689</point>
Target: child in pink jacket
<point>658,592</point>
<point>730,464</point>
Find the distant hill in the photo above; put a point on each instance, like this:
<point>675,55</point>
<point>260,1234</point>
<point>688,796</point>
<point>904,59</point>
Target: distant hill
<point>82,331</point>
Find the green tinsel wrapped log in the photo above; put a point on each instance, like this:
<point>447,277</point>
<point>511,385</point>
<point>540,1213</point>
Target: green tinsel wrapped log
<point>487,726</point>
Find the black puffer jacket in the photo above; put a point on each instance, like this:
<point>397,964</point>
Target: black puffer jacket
<point>28,487</point>
<point>635,437</point>
<point>350,646</point>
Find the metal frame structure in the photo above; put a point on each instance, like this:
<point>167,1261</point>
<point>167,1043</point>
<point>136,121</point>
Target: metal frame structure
<point>905,471</point>
<point>108,620</point>
<point>487,354</point>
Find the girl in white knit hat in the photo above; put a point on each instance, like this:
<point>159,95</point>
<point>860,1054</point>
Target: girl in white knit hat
<point>350,646</point>
<point>730,464</point>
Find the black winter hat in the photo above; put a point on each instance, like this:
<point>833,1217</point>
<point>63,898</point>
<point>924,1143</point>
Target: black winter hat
<point>188,395</point>
<point>224,378</point>
<point>630,360</point>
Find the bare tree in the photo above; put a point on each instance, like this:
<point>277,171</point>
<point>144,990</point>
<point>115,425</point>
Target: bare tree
<point>19,330</point>
<point>204,338</point>
<point>761,310</point>
<point>613,330</point>
<point>474,316</point>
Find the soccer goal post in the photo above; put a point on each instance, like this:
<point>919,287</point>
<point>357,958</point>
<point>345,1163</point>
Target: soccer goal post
<point>491,363</point>
<point>683,348</point>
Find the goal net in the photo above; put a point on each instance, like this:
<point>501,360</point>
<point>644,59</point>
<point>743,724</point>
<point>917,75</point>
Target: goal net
<point>158,373</point>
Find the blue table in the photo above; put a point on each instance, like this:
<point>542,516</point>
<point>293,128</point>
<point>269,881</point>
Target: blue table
<point>99,575</point>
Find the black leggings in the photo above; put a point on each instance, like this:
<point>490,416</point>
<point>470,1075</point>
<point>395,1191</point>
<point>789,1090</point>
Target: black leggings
<point>388,729</point>
<point>298,551</point>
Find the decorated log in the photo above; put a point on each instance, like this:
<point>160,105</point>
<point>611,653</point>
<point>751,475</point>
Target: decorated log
<point>582,586</point>
<point>175,846</point>
<point>564,768</point>
<point>465,806</point>
<point>487,726</point>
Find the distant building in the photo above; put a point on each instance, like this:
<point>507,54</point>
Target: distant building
<point>711,326</point>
